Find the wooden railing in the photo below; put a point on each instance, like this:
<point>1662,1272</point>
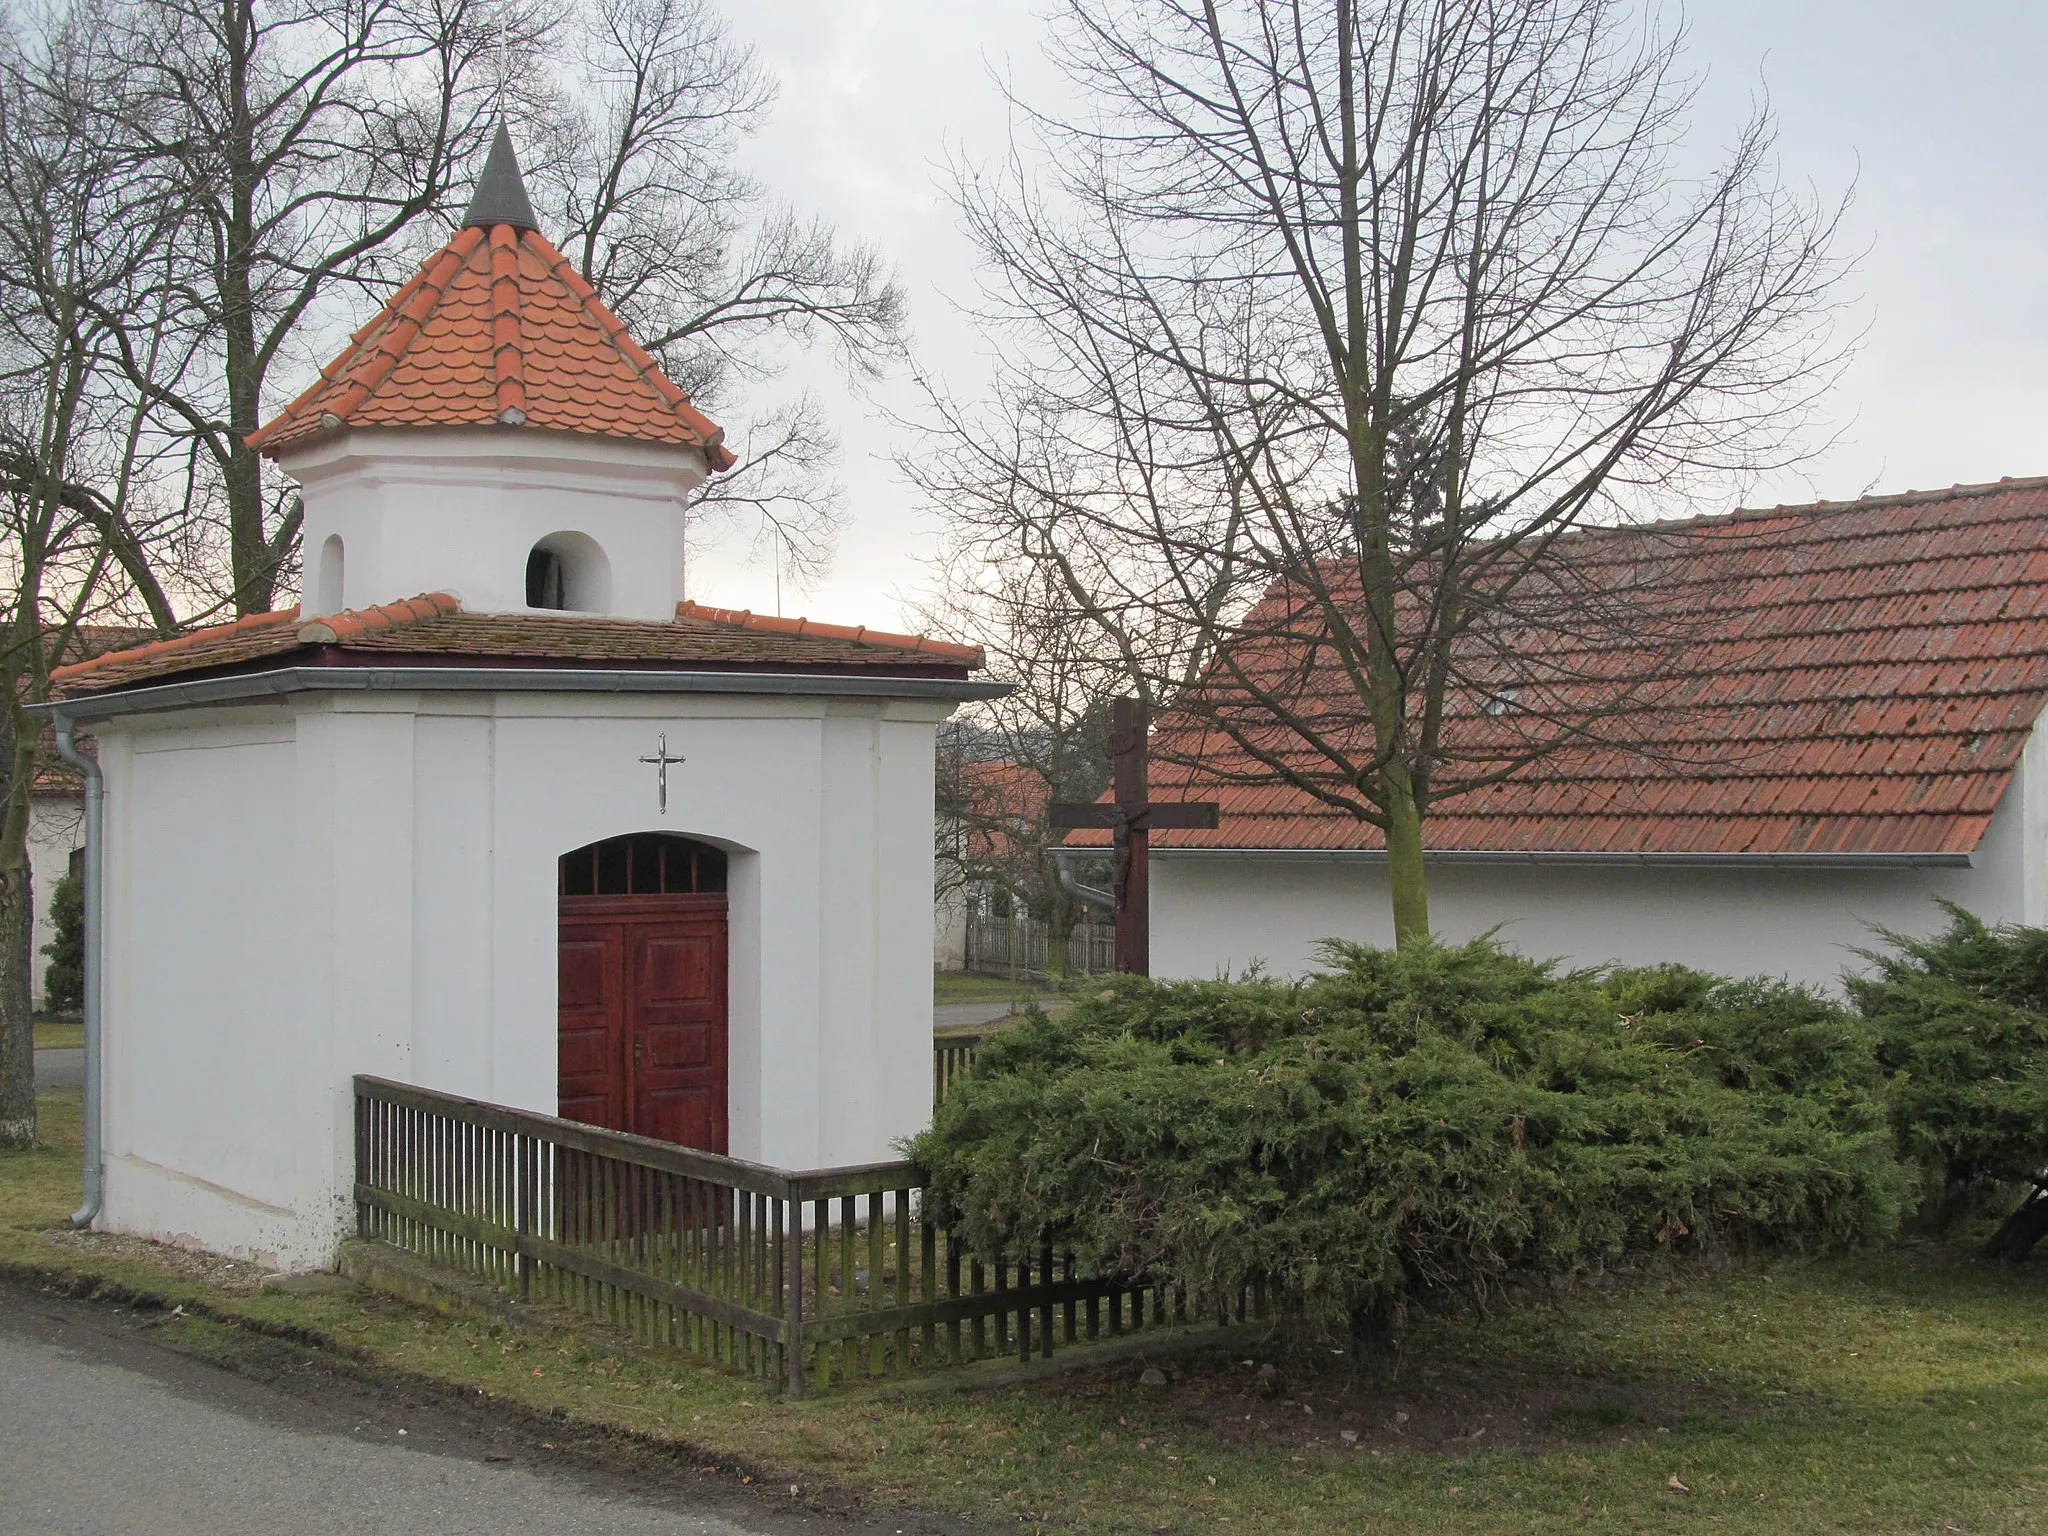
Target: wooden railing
<point>802,1278</point>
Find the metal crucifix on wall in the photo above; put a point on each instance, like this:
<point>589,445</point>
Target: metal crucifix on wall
<point>660,759</point>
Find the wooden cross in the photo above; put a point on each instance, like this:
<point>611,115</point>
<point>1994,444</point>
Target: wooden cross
<point>660,759</point>
<point>1131,819</point>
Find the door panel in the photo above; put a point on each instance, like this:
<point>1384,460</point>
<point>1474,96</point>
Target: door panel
<point>679,968</point>
<point>591,1024</point>
<point>643,1016</point>
<point>679,1032</point>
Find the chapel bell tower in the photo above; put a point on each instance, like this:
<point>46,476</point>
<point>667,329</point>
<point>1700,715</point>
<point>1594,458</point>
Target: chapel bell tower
<point>496,434</point>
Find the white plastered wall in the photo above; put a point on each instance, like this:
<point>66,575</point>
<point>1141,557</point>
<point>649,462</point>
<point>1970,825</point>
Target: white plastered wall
<point>1215,916</point>
<point>461,510</point>
<point>351,883</point>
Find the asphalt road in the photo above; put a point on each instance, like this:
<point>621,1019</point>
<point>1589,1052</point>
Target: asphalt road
<point>957,1015</point>
<point>106,1427</point>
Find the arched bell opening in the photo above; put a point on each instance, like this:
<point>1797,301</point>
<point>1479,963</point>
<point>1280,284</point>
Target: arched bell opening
<point>569,572</point>
<point>642,1001</point>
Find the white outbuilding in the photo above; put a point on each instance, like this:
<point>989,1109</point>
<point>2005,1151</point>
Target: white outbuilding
<point>500,811</point>
<point>1852,729</point>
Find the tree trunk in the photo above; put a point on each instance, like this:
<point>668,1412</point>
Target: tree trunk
<point>17,928</point>
<point>254,567</point>
<point>2017,1235</point>
<point>1405,873</point>
<point>252,561</point>
<point>1060,917</point>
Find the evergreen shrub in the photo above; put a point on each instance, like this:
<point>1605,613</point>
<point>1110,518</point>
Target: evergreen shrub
<point>1962,1027</point>
<point>1424,1122</point>
<point>64,978</point>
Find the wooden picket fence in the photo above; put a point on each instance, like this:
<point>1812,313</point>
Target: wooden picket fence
<point>802,1278</point>
<point>1018,944</point>
<point>952,1056</point>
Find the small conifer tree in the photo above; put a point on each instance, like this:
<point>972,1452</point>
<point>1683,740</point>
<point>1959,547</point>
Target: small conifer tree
<point>64,981</point>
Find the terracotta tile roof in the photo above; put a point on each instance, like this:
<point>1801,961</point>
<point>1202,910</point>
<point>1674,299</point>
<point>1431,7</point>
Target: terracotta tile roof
<point>54,776</point>
<point>497,329</point>
<point>775,624</point>
<point>1870,675</point>
<point>998,805</point>
<point>259,634</point>
<point>432,630</point>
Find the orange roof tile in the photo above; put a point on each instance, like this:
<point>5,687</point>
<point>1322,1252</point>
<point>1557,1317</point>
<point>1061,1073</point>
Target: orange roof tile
<point>860,634</point>
<point>1869,676</point>
<point>497,329</point>
<point>432,630</point>
<point>257,630</point>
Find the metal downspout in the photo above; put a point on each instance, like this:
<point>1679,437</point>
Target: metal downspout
<point>1082,893</point>
<point>95,799</point>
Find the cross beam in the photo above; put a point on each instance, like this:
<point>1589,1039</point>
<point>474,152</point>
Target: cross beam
<point>1131,818</point>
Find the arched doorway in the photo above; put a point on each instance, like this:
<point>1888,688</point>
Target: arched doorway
<point>641,988</point>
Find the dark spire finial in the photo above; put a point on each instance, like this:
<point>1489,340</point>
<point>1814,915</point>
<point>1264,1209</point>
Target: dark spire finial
<point>500,196</point>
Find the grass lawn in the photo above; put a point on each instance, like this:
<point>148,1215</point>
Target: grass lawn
<point>1905,1392</point>
<point>972,987</point>
<point>52,1033</point>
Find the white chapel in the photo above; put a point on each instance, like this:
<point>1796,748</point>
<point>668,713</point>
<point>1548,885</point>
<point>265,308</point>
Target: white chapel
<point>498,810</point>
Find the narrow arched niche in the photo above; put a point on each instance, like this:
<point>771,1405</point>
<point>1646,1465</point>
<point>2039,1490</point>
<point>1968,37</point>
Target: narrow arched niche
<point>327,580</point>
<point>568,571</point>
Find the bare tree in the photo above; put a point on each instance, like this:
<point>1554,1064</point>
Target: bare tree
<point>1009,759</point>
<point>79,218</point>
<point>653,99</point>
<point>1328,330</point>
<point>308,140</point>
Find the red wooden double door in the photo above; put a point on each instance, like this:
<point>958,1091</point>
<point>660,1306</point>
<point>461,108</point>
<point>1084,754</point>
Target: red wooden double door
<point>641,990</point>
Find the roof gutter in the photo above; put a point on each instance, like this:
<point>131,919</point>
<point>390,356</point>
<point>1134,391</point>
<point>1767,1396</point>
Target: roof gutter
<point>281,682</point>
<point>1087,895</point>
<point>95,843</point>
<point>1553,858</point>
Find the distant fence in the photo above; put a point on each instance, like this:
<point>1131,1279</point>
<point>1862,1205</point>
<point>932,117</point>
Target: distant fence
<point>802,1278</point>
<point>952,1055</point>
<point>1005,946</point>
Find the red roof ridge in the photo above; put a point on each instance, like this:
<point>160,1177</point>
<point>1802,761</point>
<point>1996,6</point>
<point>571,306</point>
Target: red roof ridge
<point>746,618</point>
<point>508,345</point>
<point>1956,492</point>
<point>333,627</point>
<point>156,648</point>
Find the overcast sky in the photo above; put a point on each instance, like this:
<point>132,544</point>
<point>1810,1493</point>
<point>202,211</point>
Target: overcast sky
<point>1935,112</point>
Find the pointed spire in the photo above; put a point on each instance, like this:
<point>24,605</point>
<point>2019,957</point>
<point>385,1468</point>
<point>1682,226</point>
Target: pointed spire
<point>500,196</point>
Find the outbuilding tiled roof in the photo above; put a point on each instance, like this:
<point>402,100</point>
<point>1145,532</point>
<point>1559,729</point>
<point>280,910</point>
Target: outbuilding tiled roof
<point>1865,682</point>
<point>998,806</point>
<point>433,630</point>
<point>497,329</point>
